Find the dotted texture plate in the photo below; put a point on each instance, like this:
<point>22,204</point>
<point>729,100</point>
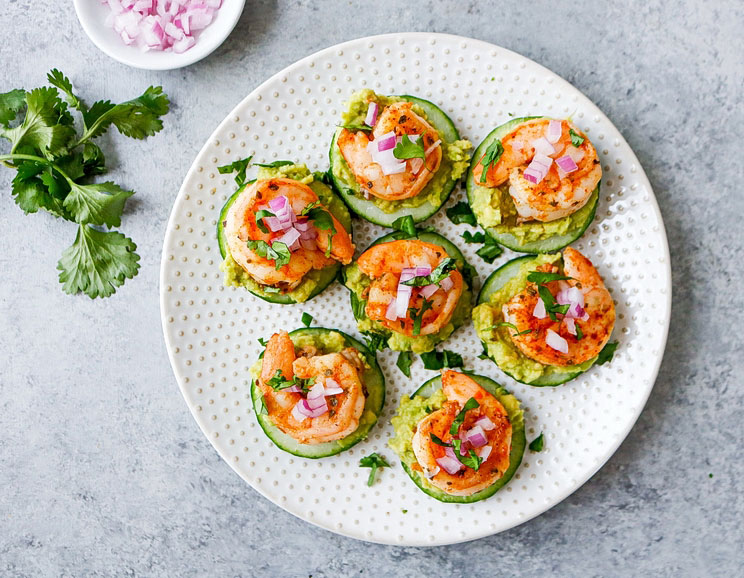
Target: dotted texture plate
<point>211,330</point>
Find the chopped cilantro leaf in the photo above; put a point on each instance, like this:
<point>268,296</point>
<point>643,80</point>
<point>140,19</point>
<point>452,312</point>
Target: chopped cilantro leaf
<point>471,459</point>
<point>307,319</point>
<point>358,306</point>
<point>260,216</point>
<point>461,213</point>
<point>576,140</point>
<point>579,333</point>
<point>278,382</point>
<point>353,126</point>
<point>434,360</point>
<point>408,149</point>
<point>405,358</point>
<point>476,237</point>
<point>540,277</point>
<point>438,275</point>
<point>437,440</point>
<point>607,353</point>
<point>418,314</point>
<point>277,251</point>
<point>492,156</point>
<point>375,341</point>
<point>512,326</point>
<point>322,220</point>
<point>374,461</point>
<point>239,167</point>
<point>274,164</point>
<point>537,444</point>
<point>406,227</point>
<point>262,341</point>
<point>460,417</point>
<point>490,250</point>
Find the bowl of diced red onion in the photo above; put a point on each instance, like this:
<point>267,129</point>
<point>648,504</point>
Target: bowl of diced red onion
<point>158,34</point>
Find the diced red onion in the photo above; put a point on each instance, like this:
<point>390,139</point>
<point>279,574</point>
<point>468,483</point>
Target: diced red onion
<point>429,290</point>
<point>532,176</point>
<point>570,325</point>
<point>556,342</point>
<point>291,239</point>
<point>371,118</point>
<point>555,129</point>
<point>447,283</point>
<point>566,164</point>
<point>303,406</point>
<point>485,423</point>
<point>542,146</point>
<point>423,271</point>
<point>296,413</point>
<point>575,153</point>
<point>293,389</point>
<point>386,142</point>
<point>484,452</point>
<point>332,387</point>
<point>449,465</point>
<point>402,299</point>
<point>391,314</point>
<point>539,311</point>
<point>303,224</point>
<point>316,391</point>
<point>476,437</point>
<point>279,204</point>
<point>168,25</point>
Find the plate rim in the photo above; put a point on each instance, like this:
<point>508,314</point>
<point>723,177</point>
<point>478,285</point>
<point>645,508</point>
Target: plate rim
<point>652,203</point>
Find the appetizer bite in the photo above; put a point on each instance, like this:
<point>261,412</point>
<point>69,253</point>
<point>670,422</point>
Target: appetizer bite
<point>284,236</point>
<point>316,392</point>
<point>460,437</point>
<point>395,156</point>
<point>412,293</point>
<point>533,184</point>
<point>545,319</point>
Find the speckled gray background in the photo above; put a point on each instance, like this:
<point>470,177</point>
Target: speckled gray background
<point>104,472</point>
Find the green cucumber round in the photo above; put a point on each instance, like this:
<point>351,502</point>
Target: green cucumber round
<point>469,274</point>
<point>496,281</point>
<point>372,380</point>
<point>547,245</point>
<point>518,442</point>
<point>325,276</point>
<point>367,209</point>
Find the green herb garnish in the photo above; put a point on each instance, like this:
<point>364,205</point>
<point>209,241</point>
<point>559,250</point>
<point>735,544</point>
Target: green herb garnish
<point>358,306</point>
<point>418,314</point>
<point>354,126</point>
<point>278,382</point>
<point>307,319</point>
<point>460,417</point>
<point>405,358</point>
<point>262,342</point>
<point>472,238</point>
<point>239,167</point>
<point>322,220</point>
<point>537,444</point>
<point>408,149</point>
<point>512,326</point>
<point>277,251</point>
<point>55,163</point>
<point>471,460</point>
<point>373,461</point>
<point>406,228</point>
<point>492,156</point>
<point>375,341</point>
<point>274,165</point>
<point>439,274</point>
<point>551,306</point>
<point>607,353</point>
<point>579,333</point>
<point>461,213</point>
<point>490,250</point>
<point>435,360</point>
<point>484,354</point>
<point>576,140</point>
<point>540,277</point>
<point>437,440</point>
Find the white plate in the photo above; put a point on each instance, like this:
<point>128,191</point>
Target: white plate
<point>211,330</point>
<point>92,15</point>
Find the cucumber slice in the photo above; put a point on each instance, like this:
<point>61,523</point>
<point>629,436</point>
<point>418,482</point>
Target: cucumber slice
<point>373,381</point>
<point>325,276</point>
<point>507,239</point>
<point>468,271</point>
<point>496,281</point>
<point>512,406</point>
<point>367,209</point>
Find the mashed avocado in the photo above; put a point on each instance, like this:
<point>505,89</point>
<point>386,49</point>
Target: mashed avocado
<point>410,413</point>
<point>498,342</point>
<point>315,280</point>
<point>455,156</point>
<point>494,209</point>
<point>357,282</point>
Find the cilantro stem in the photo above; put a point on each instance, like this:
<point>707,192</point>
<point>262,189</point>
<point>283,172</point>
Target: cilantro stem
<point>21,157</point>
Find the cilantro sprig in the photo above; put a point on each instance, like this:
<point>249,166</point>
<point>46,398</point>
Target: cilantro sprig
<point>439,274</point>
<point>408,149</point>
<point>492,156</point>
<point>278,382</point>
<point>276,251</point>
<point>56,159</point>
<point>576,139</point>
<point>374,461</point>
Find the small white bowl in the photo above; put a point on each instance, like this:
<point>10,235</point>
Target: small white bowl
<point>92,14</point>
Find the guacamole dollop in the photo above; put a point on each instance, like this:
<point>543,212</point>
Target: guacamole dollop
<point>236,276</point>
<point>498,342</point>
<point>357,282</point>
<point>455,156</point>
<point>406,420</point>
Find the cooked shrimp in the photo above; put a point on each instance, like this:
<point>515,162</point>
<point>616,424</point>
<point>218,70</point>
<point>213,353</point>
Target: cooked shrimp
<point>595,326</point>
<point>241,227</point>
<point>459,388</point>
<point>559,194</point>
<point>384,264</point>
<point>400,119</point>
<point>345,409</point>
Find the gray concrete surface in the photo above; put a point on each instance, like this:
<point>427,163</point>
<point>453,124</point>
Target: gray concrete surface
<point>104,472</point>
